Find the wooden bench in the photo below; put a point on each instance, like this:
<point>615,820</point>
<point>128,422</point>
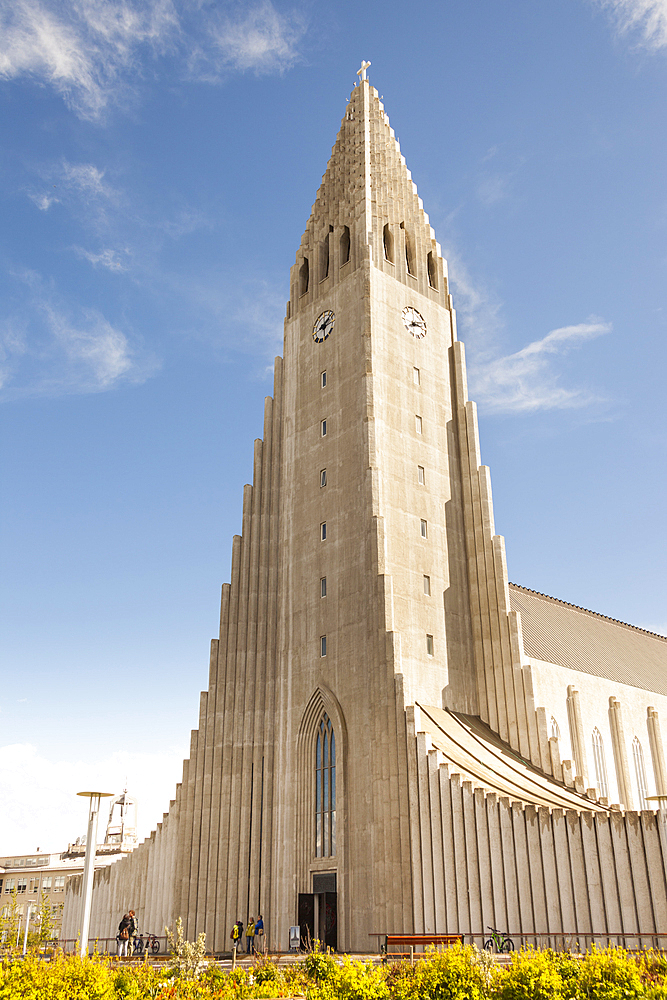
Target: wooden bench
<point>412,941</point>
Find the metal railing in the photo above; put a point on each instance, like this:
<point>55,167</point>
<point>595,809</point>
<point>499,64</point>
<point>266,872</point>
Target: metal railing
<point>575,942</point>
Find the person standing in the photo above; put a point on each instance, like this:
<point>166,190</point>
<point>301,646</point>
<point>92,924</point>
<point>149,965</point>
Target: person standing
<point>250,935</point>
<point>123,936</point>
<point>259,933</point>
<point>237,931</point>
<point>133,930</point>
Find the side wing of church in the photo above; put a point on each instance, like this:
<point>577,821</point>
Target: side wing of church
<point>395,738</point>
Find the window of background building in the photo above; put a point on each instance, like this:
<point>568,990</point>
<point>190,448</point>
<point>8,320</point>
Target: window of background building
<point>22,885</point>
<point>10,884</point>
<point>323,428</point>
<point>323,530</point>
<point>46,883</point>
<point>323,645</point>
<point>59,883</point>
<point>323,586</point>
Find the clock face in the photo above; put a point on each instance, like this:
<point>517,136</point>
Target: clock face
<point>324,324</point>
<point>414,322</point>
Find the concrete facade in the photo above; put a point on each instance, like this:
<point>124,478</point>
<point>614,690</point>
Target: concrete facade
<point>369,603</point>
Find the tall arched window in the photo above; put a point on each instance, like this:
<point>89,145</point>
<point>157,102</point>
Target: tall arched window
<point>325,790</point>
<point>555,730</point>
<point>640,773</point>
<point>600,766</point>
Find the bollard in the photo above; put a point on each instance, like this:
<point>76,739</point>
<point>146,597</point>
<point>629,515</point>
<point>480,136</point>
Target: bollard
<point>412,955</point>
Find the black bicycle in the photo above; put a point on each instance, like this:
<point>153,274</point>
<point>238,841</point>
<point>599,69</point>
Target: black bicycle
<point>151,943</point>
<point>499,941</point>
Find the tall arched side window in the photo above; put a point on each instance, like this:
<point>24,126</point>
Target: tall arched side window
<point>600,766</point>
<point>555,730</point>
<point>325,790</point>
<point>640,773</point>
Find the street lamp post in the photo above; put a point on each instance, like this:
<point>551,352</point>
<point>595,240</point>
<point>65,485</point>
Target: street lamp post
<point>89,865</point>
<point>27,925</point>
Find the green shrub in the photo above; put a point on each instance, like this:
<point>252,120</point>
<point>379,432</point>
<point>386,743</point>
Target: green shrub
<point>532,975</point>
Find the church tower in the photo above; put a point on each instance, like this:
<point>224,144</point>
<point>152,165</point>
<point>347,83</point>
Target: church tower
<point>368,755</point>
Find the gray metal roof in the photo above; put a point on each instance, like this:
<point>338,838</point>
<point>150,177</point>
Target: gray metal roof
<point>586,641</point>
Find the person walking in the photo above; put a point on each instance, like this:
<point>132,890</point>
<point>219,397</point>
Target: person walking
<point>259,933</point>
<point>123,936</point>
<point>237,931</point>
<point>250,935</point>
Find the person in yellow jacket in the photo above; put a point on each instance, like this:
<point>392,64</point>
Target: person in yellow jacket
<point>237,931</point>
<point>250,934</point>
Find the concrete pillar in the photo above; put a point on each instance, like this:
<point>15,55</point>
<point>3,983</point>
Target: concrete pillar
<point>577,734</point>
<point>657,752</point>
<point>619,747</point>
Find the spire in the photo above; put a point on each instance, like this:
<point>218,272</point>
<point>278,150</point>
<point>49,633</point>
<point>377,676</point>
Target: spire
<point>367,208</point>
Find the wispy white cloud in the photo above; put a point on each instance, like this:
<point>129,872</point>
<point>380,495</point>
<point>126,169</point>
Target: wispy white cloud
<point>643,20</point>
<point>525,381</point>
<point>113,260</point>
<point>47,351</point>
<point>86,178</point>
<point>93,52</point>
<point>478,309</point>
<point>43,201</point>
<point>40,805</point>
<point>260,39</point>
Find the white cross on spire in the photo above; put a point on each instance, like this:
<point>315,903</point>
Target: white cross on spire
<point>362,72</point>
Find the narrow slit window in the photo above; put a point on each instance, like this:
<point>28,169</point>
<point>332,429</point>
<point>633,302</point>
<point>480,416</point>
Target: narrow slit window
<point>600,764</point>
<point>432,270</point>
<point>427,586</point>
<point>416,374</point>
<point>323,586</point>
<point>323,645</point>
<point>323,380</point>
<point>423,528</point>
<point>429,645</point>
<point>323,531</point>
<point>418,424</point>
<point>323,477</point>
<point>323,428</point>
<point>345,245</point>
<point>304,276</point>
<point>555,728</point>
<point>388,243</point>
<point>420,475</point>
<point>640,773</point>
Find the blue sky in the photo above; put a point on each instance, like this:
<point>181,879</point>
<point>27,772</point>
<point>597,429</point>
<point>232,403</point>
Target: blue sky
<point>157,167</point>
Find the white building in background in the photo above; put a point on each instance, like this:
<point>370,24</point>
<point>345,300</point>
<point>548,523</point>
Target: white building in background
<point>394,737</point>
<point>33,876</point>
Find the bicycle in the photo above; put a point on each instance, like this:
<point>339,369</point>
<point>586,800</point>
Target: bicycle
<point>498,941</point>
<point>151,942</point>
